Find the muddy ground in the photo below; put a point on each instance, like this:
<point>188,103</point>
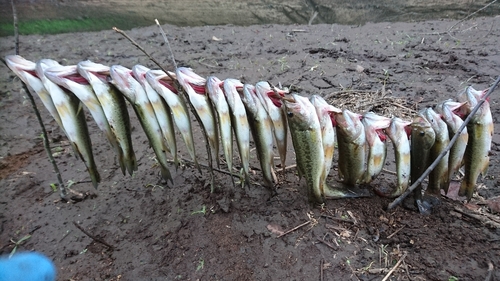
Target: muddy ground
<point>186,232</point>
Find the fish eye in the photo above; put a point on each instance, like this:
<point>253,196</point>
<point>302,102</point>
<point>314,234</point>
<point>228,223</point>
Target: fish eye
<point>290,114</point>
<point>422,133</point>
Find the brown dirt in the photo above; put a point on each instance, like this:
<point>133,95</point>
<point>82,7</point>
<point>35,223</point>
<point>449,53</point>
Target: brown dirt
<point>158,231</point>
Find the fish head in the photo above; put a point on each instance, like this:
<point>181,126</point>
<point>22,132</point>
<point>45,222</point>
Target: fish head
<point>232,88</point>
<point>159,77</point>
<point>377,124</point>
<point>139,73</point>
<point>214,85</point>
<point>422,129</point>
<point>21,67</point>
<point>349,123</point>
<point>42,65</point>
<point>125,82</point>
<point>300,112</point>
<point>398,127</point>
<point>63,75</point>
<point>91,70</point>
<point>190,81</point>
<point>273,94</point>
<point>324,108</point>
<point>449,108</point>
<point>249,96</point>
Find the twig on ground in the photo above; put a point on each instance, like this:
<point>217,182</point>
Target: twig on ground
<point>483,219</point>
<point>338,219</point>
<point>395,232</point>
<point>414,185</point>
<point>327,244</point>
<point>395,267</point>
<point>321,263</point>
<point>293,229</point>
<point>96,239</point>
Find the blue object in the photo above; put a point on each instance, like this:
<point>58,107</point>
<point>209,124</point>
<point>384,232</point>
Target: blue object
<point>28,266</point>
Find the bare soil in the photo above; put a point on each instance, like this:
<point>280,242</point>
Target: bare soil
<point>185,231</point>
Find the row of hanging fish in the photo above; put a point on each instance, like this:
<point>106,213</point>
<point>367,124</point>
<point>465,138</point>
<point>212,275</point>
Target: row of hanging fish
<point>266,113</point>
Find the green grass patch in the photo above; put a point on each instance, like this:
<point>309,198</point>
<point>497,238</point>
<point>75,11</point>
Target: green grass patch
<point>55,26</point>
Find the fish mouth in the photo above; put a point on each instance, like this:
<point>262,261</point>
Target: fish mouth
<point>57,73</point>
<point>101,71</point>
<point>139,72</point>
<point>120,75</point>
<point>196,82</point>
<point>163,78</point>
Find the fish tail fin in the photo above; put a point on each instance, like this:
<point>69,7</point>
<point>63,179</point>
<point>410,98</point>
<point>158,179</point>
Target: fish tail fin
<point>466,189</point>
<point>165,174</point>
<point>94,176</point>
<point>121,161</point>
<point>130,162</point>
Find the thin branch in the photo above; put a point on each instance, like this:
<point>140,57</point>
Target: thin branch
<point>168,43</point>
<point>414,185</point>
<point>45,137</point>
<point>16,29</point>
<point>470,15</point>
<point>395,267</point>
<point>293,229</point>
<point>96,239</point>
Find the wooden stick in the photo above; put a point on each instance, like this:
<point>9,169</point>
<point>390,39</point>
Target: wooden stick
<point>414,185</point>
<point>293,229</point>
<point>395,267</point>
<point>394,233</point>
<point>46,143</point>
<point>327,244</point>
<point>96,239</point>
<point>166,41</point>
<point>321,263</point>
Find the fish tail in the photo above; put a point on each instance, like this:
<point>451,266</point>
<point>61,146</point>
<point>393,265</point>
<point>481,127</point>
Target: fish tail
<point>466,189</point>
<point>94,176</point>
<point>121,161</point>
<point>130,162</point>
<point>165,174</point>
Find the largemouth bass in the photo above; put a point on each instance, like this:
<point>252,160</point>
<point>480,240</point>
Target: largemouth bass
<point>271,101</point>
<point>398,135</point>
<point>72,116</point>
<point>376,139</point>
<point>262,131</point>
<point>422,140</point>
<point>195,87</point>
<point>239,122</point>
<point>447,110</point>
<point>305,130</point>
<point>115,110</point>
<point>161,110</point>
<point>351,139</point>
<point>480,130</point>
<point>439,177</point>
<point>216,95</point>
<point>25,70</point>
<point>326,115</point>
<point>134,92</point>
<point>164,85</point>
<point>69,78</point>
